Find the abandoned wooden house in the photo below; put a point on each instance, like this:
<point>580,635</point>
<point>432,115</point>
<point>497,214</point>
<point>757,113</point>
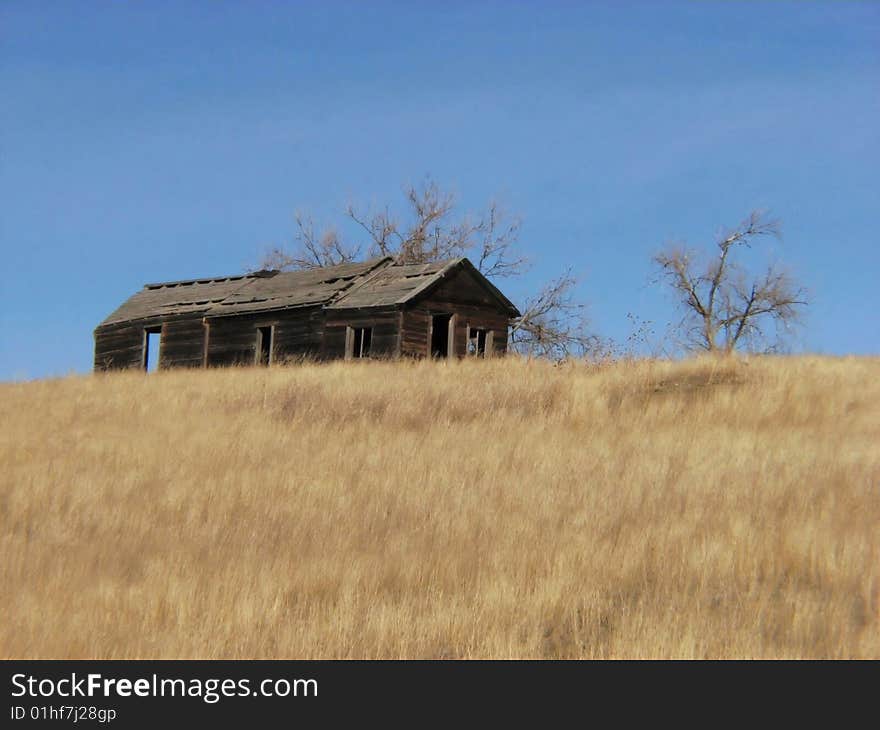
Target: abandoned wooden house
<point>372,309</point>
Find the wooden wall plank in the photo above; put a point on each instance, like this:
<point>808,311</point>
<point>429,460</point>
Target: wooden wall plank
<point>119,348</point>
<point>384,322</point>
<point>182,343</point>
<point>296,334</point>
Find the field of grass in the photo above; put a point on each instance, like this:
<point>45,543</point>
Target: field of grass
<point>479,509</point>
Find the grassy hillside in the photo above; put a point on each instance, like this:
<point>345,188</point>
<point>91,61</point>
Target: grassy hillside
<point>481,509</point>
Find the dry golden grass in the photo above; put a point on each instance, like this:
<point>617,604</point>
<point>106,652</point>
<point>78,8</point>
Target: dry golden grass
<point>479,509</point>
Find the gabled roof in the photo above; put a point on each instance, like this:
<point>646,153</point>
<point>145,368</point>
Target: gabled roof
<point>375,283</point>
<point>402,283</point>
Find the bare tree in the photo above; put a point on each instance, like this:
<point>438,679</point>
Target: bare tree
<point>552,324</point>
<point>725,307</point>
<point>430,232</point>
<point>312,250</point>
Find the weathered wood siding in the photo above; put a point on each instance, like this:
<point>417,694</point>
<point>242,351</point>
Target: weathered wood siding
<point>384,321</point>
<point>296,335</point>
<point>230,340</point>
<point>119,346</point>
<point>416,326</point>
<point>182,343</point>
<point>471,304</point>
<point>299,334</point>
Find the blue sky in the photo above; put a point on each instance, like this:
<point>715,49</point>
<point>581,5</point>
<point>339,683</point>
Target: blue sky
<point>150,141</point>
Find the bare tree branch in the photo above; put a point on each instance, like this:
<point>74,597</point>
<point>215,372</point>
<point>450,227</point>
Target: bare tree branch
<point>552,324</point>
<point>313,250</point>
<point>430,233</point>
<point>497,257</point>
<point>725,309</point>
<point>382,229</point>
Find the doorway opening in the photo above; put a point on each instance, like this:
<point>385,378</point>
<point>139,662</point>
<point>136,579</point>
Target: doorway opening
<point>264,345</point>
<point>440,335</point>
<point>152,348</point>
